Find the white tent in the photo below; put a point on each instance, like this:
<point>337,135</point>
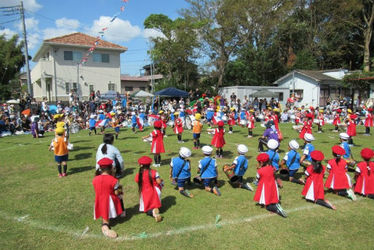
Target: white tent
<point>13,101</point>
<point>143,93</point>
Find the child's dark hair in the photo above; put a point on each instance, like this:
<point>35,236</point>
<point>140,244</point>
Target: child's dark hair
<point>140,180</point>
<point>317,166</point>
<point>100,171</point>
<point>108,139</point>
<point>337,158</point>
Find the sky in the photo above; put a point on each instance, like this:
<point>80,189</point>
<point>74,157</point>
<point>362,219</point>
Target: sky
<point>51,18</point>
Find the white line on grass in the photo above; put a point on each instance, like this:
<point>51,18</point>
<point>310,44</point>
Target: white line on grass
<point>144,235</point>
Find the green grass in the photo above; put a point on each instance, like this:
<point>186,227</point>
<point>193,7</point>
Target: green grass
<point>40,211</point>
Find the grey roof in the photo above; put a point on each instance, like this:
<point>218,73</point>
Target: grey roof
<point>317,75</point>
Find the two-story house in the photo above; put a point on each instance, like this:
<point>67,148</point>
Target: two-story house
<point>58,70</point>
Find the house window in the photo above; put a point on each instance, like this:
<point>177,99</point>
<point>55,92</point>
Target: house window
<point>91,88</point>
<point>299,94</point>
<point>102,58</point>
<point>142,88</point>
<point>111,86</point>
<point>67,88</point>
<point>75,56</point>
<point>68,55</point>
<point>280,96</point>
<point>75,87</point>
<point>129,88</point>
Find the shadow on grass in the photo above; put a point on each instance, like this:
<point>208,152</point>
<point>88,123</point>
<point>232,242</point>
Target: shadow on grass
<point>125,151</point>
<point>128,171</point>
<point>139,152</point>
<point>227,154</point>
<point>167,203</point>
<point>76,148</point>
<point>80,169</point>
<point>79,141</point>
<point>82,156</point>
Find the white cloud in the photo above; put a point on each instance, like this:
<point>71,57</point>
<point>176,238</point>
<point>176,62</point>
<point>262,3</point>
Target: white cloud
<point>64,23</point>
<point>118,31</point>
<point>63,26</point>
<point>33,40</point>
<point>31,5</point>
<point>32,24</point>
<point>8,33</point>
<point>152,33</point>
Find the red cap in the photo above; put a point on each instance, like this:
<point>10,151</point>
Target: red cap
<point>263,157</point>
<point>370,109</point>
<point>353,116</point>
<point>338,150</point>
<point>157,124</point>
<point>317,155</point>
<point>221,124</point>
<point>309,115</point>
<point>145,160</point>
<point>105,162</point>
<point>366,153</point>
<point>311,107</point>
<point>339,110</point>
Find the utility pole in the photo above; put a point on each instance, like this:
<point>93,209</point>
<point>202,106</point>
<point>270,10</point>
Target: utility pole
<point>29,87</point>
<point>77,80</point>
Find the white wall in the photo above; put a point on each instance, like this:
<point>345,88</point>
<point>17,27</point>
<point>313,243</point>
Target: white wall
<point>97,74</point>
<point>311,90</point>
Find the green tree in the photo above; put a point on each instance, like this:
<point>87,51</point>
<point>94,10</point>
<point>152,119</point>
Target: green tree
<point>175,52</point>
<point>11,62</point>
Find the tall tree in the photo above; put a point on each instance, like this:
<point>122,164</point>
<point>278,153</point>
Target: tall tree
<point>11,62</point>
<point>174,52</point>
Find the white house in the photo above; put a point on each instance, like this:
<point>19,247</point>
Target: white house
<point>313,87</point>
<point>57,70</point>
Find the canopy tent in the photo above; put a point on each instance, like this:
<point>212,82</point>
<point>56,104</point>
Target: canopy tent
<point>142,93</point>
<point>264,93</point>
<point>13,101</point>
<point>172,92</point>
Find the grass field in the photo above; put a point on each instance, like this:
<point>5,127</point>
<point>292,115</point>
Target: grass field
<point>38,210</point>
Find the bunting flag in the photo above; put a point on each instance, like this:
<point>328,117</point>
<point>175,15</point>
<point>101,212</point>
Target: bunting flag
<point>101,35</point>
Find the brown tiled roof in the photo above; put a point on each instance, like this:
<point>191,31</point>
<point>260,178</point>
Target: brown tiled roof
<point>83,40</point>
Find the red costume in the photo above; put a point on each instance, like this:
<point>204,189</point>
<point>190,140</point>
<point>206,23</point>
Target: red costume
<point>351,127</point>
<point>365,178</point>
<point>251,120</point>
<point>218,140</point>
<point>107,204</point>
<point>178,126</point>
<point>157,142</point>
<point>150,196</point>
<point>313,189</point>
<point>267,189</point>
<point>336,120</point>
<point>338,177</point>
<point>231,120</point>
<point>307,128</point>
<point>321,119</point>
<point>369,120</point>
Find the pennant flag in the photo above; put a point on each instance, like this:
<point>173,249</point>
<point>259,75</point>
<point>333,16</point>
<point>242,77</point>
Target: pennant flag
<point>103,29</point>
<point>125,1</point>
<point>122,8</point>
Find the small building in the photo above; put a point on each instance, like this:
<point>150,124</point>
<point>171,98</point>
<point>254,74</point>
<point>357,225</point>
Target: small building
<point>131,84</point>
<point>241,92</point>
<point>58,70</point>
<point>315,87</point>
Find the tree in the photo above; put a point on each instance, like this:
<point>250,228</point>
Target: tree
<point>174,53</point>
<point>11,62</point>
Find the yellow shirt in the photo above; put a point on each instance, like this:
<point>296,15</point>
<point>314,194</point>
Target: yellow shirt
<point>197,127</point>
<point>60,124</point>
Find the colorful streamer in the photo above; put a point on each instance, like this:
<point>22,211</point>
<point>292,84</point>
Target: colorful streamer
<point>101,35</point>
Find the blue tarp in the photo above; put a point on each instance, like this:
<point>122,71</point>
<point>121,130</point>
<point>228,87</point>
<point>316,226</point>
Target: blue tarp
<point>172,92</point>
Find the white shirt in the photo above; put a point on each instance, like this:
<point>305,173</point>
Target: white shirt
<point>112,153</point>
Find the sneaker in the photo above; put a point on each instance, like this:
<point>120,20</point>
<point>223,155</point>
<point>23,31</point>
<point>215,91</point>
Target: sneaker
<point>64,174</point>
<point>249,136</point>
<point>216,191</point>
<point>108,232</point>
<point>255,183</point>
<point>154,165</point>
<point>247,186</point>
<point>230,132</point>
<point>351,195</point>
<point>60,175</point>
<point>280,211</point>
<point>331,205</point>
<point>186,193</point>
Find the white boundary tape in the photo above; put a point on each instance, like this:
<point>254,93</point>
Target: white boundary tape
<point>84,234</point>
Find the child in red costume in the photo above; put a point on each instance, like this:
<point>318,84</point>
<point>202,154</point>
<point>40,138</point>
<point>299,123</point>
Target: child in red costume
<point>108,200</point>
<point>313,189</point>
<point>267,193</point>
<point>365,174</point>
<point>157,146</point>
<point>218,140</point>
<point>338,179</point>
<point>178,127</point>
<point>150,185</point>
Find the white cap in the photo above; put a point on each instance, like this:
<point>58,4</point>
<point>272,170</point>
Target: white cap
<point>184,152</point>
<point>309,137</point>
<point>207,150</point>
<point>132,113</point>
<point>100,111</point>
<point>92,116</point>
<point>242,149</point>
<point>293,145</point>
<point>344,136</point>
<point>272,144</point>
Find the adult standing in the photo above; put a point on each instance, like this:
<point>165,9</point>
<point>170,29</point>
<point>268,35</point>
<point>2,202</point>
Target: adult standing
<point>106,149</point>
